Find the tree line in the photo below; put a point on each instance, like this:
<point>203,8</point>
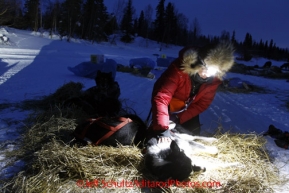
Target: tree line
<point>89,20</point>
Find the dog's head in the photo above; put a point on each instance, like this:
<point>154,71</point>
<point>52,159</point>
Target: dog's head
<point>103,80</point>
<point>168,162</point>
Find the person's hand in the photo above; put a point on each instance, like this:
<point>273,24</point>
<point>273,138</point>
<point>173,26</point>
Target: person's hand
<point>164,136</point>
<point>164,140</point>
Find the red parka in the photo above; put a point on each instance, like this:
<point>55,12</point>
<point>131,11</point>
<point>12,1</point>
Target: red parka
<point>175,82</point>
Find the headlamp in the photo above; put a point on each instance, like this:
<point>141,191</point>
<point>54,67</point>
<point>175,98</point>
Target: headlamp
<point>212,71</point>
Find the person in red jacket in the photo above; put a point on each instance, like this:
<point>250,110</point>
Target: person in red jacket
<point>188,86</point>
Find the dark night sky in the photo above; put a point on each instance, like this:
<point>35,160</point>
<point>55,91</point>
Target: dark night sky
<point>263,19</point>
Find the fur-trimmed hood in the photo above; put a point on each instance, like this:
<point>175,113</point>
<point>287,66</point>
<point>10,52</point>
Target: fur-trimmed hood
<point>220,55</point>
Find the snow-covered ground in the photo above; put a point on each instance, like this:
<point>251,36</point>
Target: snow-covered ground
<point>33,65</point>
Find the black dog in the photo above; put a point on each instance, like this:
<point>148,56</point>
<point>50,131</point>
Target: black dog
<point>167,161</point>
<point>110,131</point>
<point>99,100</point>
<point>175,159</point>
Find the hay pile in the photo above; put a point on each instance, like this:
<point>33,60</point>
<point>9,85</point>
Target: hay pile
<point>63,94</point>
<point>253,170</point>
<point>60,167</point>
<point>55,164</point>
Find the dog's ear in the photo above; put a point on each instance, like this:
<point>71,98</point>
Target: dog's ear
<point>174,146</point>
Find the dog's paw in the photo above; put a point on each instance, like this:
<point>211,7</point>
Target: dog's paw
<point>198,168</point>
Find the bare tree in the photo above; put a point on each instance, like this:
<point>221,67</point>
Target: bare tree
<point>195,27</point>
<point>225,35</point>
<point>32,12</point>
<point>52,16</point>
<point>118,10</point>
<point>6,12</point>
<point>148,15</point>
<point>195,31</point>
<point>3,7</point>
<point>182,23</point>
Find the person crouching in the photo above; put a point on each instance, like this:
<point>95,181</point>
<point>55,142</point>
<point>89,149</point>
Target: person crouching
<point>188,86</point>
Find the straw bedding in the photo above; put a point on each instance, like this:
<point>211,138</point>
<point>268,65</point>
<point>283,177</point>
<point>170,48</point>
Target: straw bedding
<point>55,164</point>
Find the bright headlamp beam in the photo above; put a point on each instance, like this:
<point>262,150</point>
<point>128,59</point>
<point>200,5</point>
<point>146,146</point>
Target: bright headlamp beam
<point>212,71</point>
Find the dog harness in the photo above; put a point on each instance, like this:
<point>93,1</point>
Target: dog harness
<point>110,128</point>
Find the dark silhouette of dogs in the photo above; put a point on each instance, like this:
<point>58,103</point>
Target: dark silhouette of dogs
<point>103,99</point>
<point>285,66</point>
<point>99,100</point>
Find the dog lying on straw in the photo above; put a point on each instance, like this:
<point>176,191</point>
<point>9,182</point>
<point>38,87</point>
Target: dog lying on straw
<point>178,158</point>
